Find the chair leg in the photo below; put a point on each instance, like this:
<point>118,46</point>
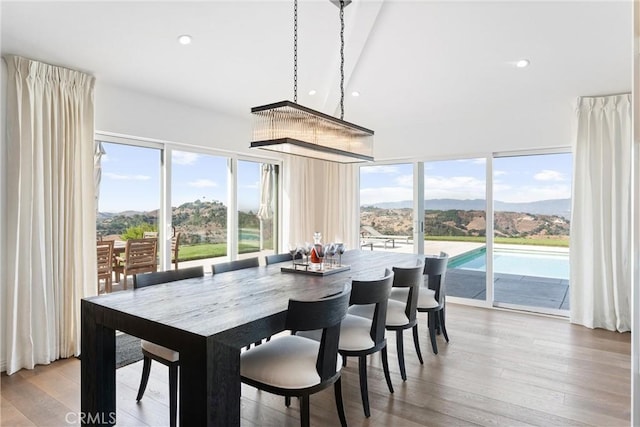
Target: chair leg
<point>444,329</point>
<point>287,401</point>
<point>304,411</point>
<point>416,343</point>
<point>432,331</point>
<point>337,388</point>
<point>344,361</point>
<point>362,365</point>
<point>400,349</point>
<point>385,368</point>
<point>146,369</point>
<point>173,395</point>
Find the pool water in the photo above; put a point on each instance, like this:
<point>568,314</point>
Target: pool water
<point>538,264</point>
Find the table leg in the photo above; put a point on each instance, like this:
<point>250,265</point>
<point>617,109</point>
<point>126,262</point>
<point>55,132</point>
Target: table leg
<point>97,370</point>
<point>210,385</point>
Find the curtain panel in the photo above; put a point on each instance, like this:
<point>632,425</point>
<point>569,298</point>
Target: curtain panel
<point>51,211</point>
<point>320,196</point>
<point>601,214</point>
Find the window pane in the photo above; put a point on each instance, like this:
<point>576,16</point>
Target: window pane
<point>129,199</point>
<point>199,206</point>
<point>257,208</point>
<point>532,202</point>
<point>386,207</point>
<point>455,222</point>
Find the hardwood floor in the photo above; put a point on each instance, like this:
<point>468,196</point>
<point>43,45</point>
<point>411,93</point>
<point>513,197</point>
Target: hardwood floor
<point>501,368</point>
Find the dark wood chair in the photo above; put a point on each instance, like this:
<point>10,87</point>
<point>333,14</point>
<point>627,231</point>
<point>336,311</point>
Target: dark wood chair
<point>401,315</point>
<point>240,264</point>
<point>152,351</point>
<point>432,299</point>
<point>140,256</point>
<point>104,254</point>
<point>293,365</point>
<point>274,259</point>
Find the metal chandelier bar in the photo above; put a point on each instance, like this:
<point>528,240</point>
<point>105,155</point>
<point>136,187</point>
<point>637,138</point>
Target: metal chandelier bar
<point>288,127</point>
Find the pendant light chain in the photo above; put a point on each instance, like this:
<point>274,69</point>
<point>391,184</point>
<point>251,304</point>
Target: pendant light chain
<point>295,51</point>
<point>341,59</point>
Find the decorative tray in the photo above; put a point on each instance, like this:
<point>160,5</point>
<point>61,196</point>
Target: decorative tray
<point>304,268</point>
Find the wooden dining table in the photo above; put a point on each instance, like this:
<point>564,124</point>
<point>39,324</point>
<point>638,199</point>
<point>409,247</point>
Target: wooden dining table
<point>208,320</point>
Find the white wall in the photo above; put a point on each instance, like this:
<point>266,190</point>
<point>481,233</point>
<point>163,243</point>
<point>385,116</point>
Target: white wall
<point>122,111</point>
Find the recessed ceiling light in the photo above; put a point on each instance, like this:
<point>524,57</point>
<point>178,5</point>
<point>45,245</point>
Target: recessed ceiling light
<point>523,63</point>
<point>312,92</point>
<point>355,93</point>
<point>184,39</point>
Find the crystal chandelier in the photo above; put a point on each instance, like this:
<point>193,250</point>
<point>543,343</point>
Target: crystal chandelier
<point>288,127</point>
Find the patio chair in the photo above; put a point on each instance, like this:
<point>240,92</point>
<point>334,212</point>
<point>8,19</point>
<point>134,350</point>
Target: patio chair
<point>369,233</point>
<point>140,256</point>
<point>104,253</point>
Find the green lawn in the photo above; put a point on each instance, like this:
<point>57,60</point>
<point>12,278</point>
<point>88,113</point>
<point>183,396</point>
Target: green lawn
<point>211,250</point>
<point>506,240</point>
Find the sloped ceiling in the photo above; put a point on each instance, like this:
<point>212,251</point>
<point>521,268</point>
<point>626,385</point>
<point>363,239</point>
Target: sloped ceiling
<point>436,78</point>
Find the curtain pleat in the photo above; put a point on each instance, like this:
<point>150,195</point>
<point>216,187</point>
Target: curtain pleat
<point>51,210</point>
<point>320,196</point>
<point>601,214</point>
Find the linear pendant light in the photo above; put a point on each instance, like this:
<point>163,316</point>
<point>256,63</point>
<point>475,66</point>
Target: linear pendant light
<point>288,127</point>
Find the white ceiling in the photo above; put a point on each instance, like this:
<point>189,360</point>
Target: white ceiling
<point>436,78</point>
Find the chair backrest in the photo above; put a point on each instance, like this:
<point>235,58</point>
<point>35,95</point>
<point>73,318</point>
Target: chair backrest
<point>150,279</point>
<point>141,256</point>
<point>104,250</point>
<point>240,264</point>
<point>435,268</point>
<point>326,314</point>
<point>374,292</point>
<point>175,248</point>
<point>409,278</point>
<point>273,259</point>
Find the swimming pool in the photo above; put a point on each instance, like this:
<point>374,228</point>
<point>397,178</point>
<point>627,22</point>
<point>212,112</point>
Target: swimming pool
<point>526,263</point>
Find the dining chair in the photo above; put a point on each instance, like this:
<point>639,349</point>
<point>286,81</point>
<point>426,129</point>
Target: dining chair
<point>273,259</point>
<point>140,256</point>
<point>401,315</point>
<point>104,254</point>
<point>361,336</point>
<point>152,351</point>
<point>239,264</point>
<point>295,366</point>
<point>432,298</point>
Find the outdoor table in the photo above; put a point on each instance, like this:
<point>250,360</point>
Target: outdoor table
<point>208,320</point>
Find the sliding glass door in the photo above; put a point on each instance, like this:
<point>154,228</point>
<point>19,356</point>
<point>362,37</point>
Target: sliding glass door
<point>455,222</point>
<point>199,206</point>
<point>532,203</point>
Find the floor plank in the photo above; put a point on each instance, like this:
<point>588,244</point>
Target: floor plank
<point>500,368</point>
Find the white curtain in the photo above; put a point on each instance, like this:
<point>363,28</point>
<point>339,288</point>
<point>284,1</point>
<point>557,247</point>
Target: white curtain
<point>51,211</point>
<point>98,152</point>
<point>320,196</point>
<point>601,214</point>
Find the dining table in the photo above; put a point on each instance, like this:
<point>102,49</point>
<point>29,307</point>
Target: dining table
<point>208,320</point>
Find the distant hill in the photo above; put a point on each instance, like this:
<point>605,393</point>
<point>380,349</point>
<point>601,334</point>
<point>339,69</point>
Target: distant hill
<point>558,207</point>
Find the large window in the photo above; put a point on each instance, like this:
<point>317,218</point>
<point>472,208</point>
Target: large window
<point>386,207</point>
<point>129,197</point>
<point>199,204</point>
<point>455,221</point>
<point>256,208</point>
<point>204,191</point>
<point>532,202</point>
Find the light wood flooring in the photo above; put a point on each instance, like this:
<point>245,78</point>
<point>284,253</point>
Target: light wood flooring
<point>501,368</point>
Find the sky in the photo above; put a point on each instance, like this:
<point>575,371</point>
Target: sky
<point>131,179</point>
<point>516,179</point>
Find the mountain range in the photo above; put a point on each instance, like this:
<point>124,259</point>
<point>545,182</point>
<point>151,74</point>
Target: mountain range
<point>559,207</point>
